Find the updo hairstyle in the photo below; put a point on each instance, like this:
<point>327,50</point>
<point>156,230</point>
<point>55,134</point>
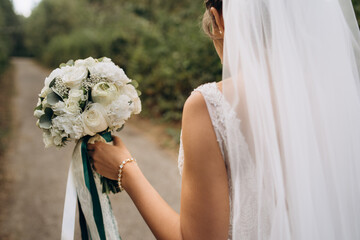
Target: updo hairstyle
<point>208,22</point>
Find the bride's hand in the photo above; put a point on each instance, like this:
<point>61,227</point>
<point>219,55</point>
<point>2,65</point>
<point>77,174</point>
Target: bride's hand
<point>107,158</point>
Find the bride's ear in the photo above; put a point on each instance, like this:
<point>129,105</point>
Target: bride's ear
<point>218,20</point>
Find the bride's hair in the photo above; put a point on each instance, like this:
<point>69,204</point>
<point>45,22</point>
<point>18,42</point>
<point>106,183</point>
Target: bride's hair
<point>208,21</point>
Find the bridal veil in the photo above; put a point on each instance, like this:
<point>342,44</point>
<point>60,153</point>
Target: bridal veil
<point>291,74</point>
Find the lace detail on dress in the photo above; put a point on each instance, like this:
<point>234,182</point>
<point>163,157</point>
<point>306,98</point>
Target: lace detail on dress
<point>243,186</point>
<point>219,111</point>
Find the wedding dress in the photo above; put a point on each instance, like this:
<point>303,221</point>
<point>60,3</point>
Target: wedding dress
<point>220,113</point>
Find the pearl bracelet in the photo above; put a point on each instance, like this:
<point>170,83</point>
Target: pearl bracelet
<point>121,166</point>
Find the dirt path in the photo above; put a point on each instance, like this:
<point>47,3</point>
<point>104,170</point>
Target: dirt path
<point>33,189</point>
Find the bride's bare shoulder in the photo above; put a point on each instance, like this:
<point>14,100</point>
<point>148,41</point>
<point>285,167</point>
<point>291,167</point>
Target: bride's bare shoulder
<point>197,130</point>
<point>204,191</point>
<point>194,103</point>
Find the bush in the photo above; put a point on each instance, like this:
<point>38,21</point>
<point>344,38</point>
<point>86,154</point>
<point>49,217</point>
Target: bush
<point>79,44</point>
<point>158,43</point>
<point>8,24</point>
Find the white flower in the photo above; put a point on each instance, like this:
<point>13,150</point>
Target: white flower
<point>94,119</point>
<point>38,102</point>
<point>57,140</point>
<point>59,108</point>
<point>119,111</point>
<point>131,92</point>
<point>48,139</point>
<point>106,59</point>
<point>110,71</point>
<point>76,95</point>
<point>104,93</point>
<point>88,62</point>
<point>68,125</point>
<point>72,107</point>
<point>136,106</point>
<point>38,113</point>
<point>54,74</point>
<point>72,76</point>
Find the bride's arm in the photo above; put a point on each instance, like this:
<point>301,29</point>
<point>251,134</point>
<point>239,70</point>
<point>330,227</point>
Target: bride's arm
<point>204,210</point>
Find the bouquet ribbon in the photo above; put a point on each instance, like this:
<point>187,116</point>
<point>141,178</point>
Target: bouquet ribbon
<point>96,218</point>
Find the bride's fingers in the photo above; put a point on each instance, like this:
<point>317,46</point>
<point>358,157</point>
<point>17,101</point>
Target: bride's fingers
<point>90,147</point>
<point>91,154</point>
<point>117,141</point>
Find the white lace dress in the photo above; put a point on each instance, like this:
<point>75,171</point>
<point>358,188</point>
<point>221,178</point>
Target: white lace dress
<point>220,111</point>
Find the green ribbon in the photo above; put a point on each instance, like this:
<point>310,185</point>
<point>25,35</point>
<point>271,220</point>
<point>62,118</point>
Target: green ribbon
<point>90,184</point>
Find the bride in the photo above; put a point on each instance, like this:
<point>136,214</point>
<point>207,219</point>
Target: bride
<point>272,151</point>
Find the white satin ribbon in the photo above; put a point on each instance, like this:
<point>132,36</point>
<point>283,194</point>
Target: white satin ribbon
<point>68,224</point>
<point>76,189</point>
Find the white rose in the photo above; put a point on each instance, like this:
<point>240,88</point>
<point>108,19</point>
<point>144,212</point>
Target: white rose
<point>88,62</point>
<point>94,119</point>
<point>137,106</point>
<point>129,90</point>
<point>104,93</point>
<point>76,95</point>
<point>38,113</point>
<point>59,108</point>
<point>72,76</point>
<point>72,107</point>
<point>54,74</point>
<point>111,72</point>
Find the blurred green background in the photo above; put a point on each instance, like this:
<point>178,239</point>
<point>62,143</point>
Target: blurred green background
<point>159,43</point>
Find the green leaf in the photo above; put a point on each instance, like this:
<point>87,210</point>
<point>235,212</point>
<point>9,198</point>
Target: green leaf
<point>134,83</point>
<point>82,105</point>
<point>38,107</point>
<point>53,98</point>
<point>49,112</point>
<point>62,65</point>
<point>138,92</point>
<point>45,121</point>
<point>100,59</point>
<point>70,62</point>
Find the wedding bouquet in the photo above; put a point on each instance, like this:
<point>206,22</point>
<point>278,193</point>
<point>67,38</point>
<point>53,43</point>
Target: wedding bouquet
<point>83,98</point>
<point>84,101</point>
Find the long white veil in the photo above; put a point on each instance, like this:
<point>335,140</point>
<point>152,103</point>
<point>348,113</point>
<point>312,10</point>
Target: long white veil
<point>291,73</point>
